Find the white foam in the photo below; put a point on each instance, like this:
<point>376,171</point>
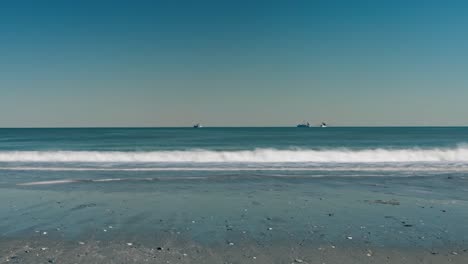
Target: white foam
<point>68,181</point>
<point>48,182</point>
<point>457,154</point>
<point>448,168</point>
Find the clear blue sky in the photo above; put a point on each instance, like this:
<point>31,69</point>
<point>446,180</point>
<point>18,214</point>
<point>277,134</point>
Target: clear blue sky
<point>233,63</point>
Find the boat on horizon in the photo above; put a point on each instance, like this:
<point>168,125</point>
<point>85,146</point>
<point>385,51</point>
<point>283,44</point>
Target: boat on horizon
<point>323,124</point>
<point>198,125</point>
<point>303,124</point>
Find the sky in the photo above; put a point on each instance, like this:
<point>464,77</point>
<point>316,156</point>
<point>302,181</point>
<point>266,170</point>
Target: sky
<point>233,63</point>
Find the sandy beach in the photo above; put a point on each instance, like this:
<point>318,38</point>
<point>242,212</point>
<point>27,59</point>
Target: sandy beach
<point>240,221</point>
<point>170,251</point>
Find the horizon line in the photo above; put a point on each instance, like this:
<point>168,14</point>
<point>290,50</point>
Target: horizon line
<point>205,127</point>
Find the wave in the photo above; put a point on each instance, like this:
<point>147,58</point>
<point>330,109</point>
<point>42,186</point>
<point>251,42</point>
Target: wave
<point>263,155</point>
<point>450,168</point>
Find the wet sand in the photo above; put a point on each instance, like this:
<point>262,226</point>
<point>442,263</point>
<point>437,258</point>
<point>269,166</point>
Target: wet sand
<point>171,251</point>
<point>297,220</point>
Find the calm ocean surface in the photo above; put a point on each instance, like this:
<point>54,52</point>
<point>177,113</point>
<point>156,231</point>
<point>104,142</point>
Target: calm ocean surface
<point>388,187</point>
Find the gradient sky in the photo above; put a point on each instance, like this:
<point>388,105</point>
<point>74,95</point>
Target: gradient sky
<point>233,63</point>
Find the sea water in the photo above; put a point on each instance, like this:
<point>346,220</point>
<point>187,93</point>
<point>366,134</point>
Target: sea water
<point>388,187</point>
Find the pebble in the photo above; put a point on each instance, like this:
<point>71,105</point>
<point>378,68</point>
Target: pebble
<point>231,244</point>
<point>350,237</point>
<point>129,244</point>
<point>44,248</point>
<point>298,260</point>
<point>270,228</point>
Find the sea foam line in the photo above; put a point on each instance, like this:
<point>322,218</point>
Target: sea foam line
<point>68,181</point>
<point>253,169</point>
<point>263,155</point>
<point>48,182</point>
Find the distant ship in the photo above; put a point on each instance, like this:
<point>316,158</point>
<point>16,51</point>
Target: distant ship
<point>323,124</point>
<point>303,124</point>
<point>197,125</point>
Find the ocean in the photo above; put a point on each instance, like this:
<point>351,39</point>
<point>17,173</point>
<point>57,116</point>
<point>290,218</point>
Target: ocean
<point>234,195</point>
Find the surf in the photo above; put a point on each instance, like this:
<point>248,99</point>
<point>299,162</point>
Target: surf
<point>260,155</point>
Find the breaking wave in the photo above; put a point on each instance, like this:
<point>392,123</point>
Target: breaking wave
<point>263,155</point>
